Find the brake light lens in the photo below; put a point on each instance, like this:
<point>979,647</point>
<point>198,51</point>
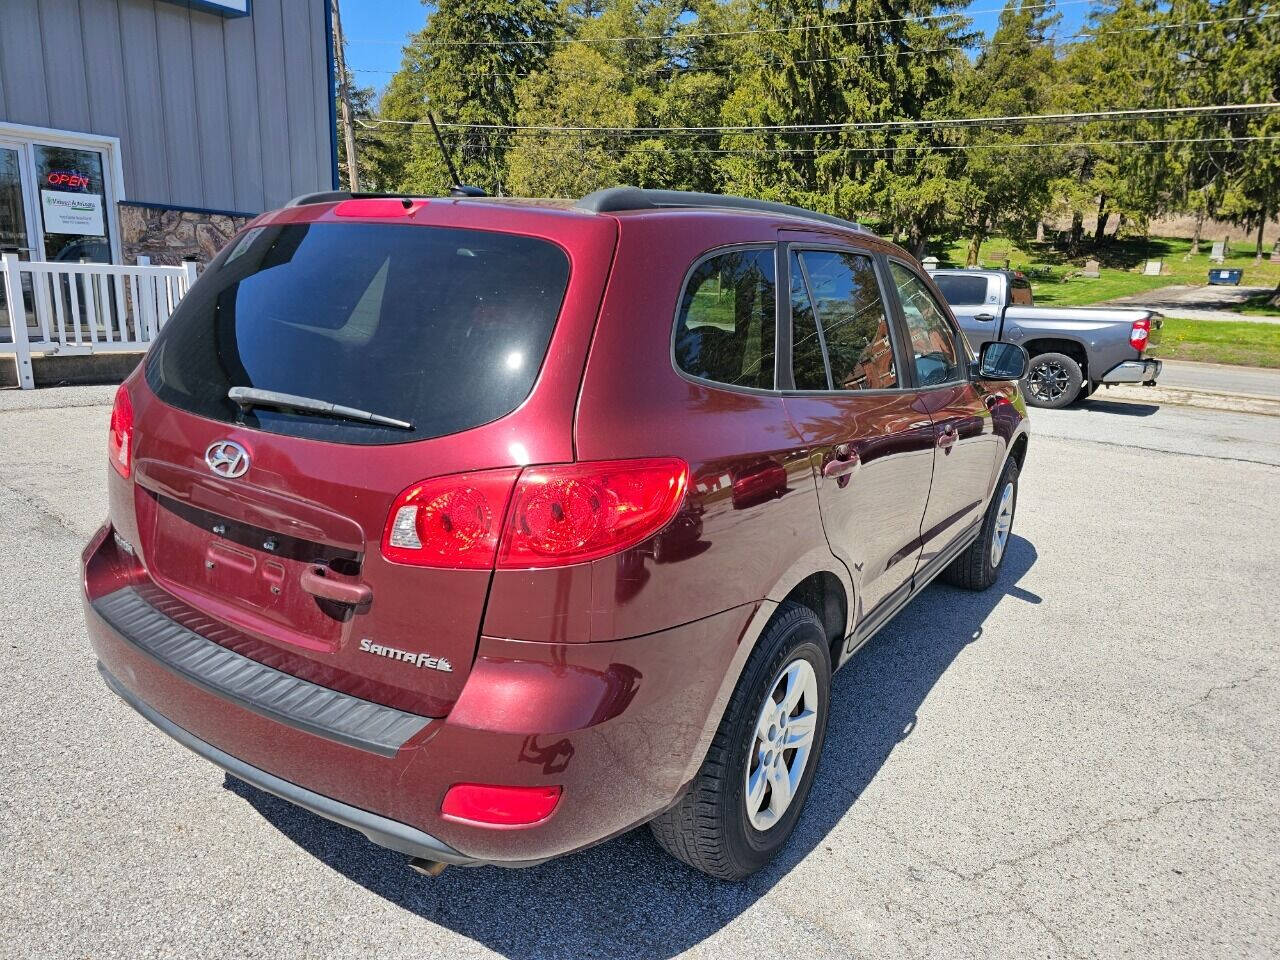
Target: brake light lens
<point>379,208</point>
<point>554,516</point>
<point>1140,333</point>
<point>450,522</point>
<point>120,435</point>
<point>583,511</point>
<point>498,806</point>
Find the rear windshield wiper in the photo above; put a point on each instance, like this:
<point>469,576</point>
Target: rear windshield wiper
<point>246,397</point>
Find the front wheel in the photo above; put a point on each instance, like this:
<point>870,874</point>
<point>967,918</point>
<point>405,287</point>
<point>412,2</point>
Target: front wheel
<point>979,565</point>
<point>1053,381</point>
<point>745,801</point>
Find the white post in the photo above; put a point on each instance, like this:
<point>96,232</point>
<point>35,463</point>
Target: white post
<point>147,290</point>
<point>191,268</point>
<point>18,319</point>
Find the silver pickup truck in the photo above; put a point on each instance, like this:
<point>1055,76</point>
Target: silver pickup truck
<point>1073,349</point>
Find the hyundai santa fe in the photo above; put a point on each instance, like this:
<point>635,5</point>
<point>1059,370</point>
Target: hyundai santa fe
<point>493,529</point>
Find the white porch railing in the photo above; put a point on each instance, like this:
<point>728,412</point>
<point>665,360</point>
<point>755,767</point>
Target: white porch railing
<point>82,308</point>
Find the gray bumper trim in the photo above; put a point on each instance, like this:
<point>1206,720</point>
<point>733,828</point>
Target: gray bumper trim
<point>255,686</point>
<point>1134,371</point>
<point>383,831</point>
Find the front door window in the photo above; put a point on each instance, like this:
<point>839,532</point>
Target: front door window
<point>73,204</point>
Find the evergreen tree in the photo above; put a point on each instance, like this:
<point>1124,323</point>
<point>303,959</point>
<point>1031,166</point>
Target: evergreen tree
<point>464,66</point>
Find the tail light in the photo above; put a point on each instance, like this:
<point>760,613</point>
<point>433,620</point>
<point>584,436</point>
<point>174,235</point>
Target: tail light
<point>120,436</point>
<point>584,511</point>
<point>1139,334</point>
<point>556,515</point>
<point>449,522</point>
<point>499,806</point>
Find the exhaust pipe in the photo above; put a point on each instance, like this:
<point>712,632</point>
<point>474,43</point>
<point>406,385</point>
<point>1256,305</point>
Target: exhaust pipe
<point>428,868</point>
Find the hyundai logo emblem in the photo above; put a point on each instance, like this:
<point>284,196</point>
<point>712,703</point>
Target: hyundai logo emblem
<point>227,459</point>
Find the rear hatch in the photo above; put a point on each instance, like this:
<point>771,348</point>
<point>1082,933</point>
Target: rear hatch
<point>469,323</point>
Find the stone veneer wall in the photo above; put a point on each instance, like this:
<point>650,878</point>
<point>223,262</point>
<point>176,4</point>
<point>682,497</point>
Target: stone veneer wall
<point>166,236</point>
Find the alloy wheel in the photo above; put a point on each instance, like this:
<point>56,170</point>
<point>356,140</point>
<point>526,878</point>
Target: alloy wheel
<point>1004,523</point>
<point>782,744</point>
<point>1048,380</point>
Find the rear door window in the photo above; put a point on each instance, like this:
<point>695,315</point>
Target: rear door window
<point>808,360</point>
<point>445,329</point>
<point>726,327</point>
<point>855,325</point>
<point>961,290</point>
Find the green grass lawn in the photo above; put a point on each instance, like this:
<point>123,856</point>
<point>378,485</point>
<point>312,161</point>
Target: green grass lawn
<point>1055,277</point>
<point>1213,341</point>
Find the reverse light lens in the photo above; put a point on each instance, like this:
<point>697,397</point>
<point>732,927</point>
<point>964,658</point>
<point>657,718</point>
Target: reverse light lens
<point>450,522</point>
<point>499,806</point>
<point>583,511</point>
<point>1139,335</point>
<point>120,435</point>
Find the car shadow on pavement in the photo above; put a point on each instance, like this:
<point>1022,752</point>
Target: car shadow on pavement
<point>1123,408</point>
<point>626,898</point>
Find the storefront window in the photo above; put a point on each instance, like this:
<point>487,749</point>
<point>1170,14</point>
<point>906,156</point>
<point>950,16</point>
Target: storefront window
<point>73,204</point>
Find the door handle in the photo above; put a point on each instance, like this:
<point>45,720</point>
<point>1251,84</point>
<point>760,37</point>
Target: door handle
<point>844,460</point>
<point>315,582</point>
<point>984,317</point>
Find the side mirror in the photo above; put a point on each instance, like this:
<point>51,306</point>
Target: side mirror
<point>1002,361</point>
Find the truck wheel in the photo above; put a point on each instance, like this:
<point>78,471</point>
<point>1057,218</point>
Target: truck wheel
<point>979,565</point>
<point>1052,381</point>
<point>745,801</point>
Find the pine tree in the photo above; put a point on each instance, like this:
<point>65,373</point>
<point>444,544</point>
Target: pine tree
<point>464,66</point>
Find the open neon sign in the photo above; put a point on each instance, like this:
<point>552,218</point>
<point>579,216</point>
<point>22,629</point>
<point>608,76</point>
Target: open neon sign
<point>67,180</point>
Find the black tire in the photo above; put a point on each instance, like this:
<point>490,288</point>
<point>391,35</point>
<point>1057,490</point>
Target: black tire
<point>1053,381</point>
<point>1086,391</point>
<point>709,828</point>
<point>974,569</point>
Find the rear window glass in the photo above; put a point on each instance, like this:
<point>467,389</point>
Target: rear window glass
<point>728,317</point>
<point>445,329</point>
<point>962,291</point>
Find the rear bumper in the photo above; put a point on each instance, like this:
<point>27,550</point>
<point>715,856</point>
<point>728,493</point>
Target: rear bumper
<point>382,831</point>
<point>1145,371</point>
<point>621,726</point>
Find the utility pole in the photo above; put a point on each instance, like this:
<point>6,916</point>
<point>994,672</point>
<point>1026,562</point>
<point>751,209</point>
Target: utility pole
<point>344,99</point>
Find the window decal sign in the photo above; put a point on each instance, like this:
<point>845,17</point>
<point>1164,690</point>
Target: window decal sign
<point>79,214</point>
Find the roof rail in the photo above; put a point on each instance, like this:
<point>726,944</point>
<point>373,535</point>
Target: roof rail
<point>633,198</point>
<point>333,196</point>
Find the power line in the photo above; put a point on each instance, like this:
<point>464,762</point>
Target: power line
<point>721,33</point>
<point>1140,113</point>
<point>975,146</point>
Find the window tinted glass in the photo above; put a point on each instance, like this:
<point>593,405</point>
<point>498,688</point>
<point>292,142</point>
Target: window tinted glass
<point>807,363</point>
<point>854,324</point>
<point>962,291</point>
<point>728,317</point>
<point>933,341</point>
<point>443,328</point>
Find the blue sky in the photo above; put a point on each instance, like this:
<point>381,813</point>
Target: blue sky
<point>376,29</point>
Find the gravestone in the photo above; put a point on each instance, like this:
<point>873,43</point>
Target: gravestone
<point>929,263</point>
<point>1219,252</point>
<point>1153,268</point>
<point>1092,268</point>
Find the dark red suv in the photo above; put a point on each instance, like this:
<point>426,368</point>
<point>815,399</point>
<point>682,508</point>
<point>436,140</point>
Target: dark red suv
<point>495,528</point>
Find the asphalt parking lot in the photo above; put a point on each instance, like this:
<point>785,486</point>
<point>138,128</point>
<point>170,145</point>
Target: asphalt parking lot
<point>1080,762</point>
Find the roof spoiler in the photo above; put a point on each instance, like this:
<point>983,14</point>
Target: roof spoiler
<point>337,196</point>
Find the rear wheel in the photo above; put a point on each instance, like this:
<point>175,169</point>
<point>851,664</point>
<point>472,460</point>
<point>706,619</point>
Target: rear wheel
<point>1053,381</point>
<point>979,565</point>
<point>745,801</point>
